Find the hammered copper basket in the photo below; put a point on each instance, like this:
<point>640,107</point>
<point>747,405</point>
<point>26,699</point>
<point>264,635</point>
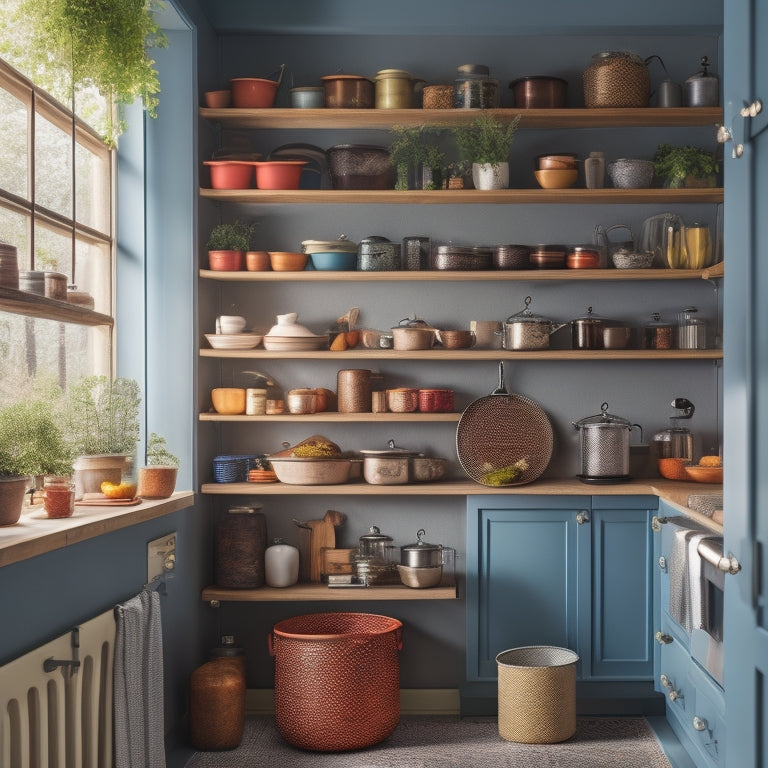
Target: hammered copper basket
<point>337,679</point>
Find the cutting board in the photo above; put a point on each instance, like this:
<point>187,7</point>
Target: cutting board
<point>314,537</point>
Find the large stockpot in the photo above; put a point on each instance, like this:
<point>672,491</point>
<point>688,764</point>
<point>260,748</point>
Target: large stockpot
<point>420,554</point>
<point>587,331</point>
<point>539,92</point>
<point>605,447</point>
<point>526,330</point>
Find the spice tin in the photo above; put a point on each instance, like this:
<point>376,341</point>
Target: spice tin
<point>415,252</point>
<point>394,89</point>
<point>32,281</point>
<point>255,402</point>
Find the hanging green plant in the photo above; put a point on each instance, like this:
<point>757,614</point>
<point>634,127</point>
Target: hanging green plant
<point>102,45</point>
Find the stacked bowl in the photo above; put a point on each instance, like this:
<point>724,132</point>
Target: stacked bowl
<point>556,171</point>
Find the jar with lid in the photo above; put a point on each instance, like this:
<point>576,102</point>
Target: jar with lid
<point>394,89</point>
<point>58,496</point>
<point>616,79</point>
<point>474,88</point>
<point>691,330</point>
<point>281,561</point>
<point>658,334</point>
<point>255,401</point>
<point>9,266</point>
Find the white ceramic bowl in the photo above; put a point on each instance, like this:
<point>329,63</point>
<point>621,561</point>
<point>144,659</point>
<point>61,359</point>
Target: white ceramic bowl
<point>294,343</point>
<point>310,471</point>
<point>233,340</point>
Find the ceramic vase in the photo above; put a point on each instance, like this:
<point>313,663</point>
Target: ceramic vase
<point>490,175</point>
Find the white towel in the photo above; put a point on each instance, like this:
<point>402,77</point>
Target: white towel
<point>138,677</point>
<point>697,598</point>
<point>679,603</point>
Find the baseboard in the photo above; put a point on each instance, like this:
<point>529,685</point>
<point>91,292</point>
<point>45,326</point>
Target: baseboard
<point>413,701</point>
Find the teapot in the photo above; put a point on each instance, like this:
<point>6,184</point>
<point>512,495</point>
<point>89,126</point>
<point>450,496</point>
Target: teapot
<point>526,330</point>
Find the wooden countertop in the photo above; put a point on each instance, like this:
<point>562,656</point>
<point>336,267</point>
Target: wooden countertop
<point>36,534</point>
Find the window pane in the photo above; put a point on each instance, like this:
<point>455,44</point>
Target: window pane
<point>53,167</point>
<point>53,251</point>
<point>93,180</point>
<point>13,230</point>
<point>13,145</point>
<point>93,274</point>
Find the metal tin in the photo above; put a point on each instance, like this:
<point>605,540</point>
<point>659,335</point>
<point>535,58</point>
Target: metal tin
<point>421,554</point>
<point>255,402</point>
<point>377,254</point>
<point>55,285</point>
<point>311,97</point>
<point>415,252</point>
<point>583,257</point>
<point>702,89</point>
<point>394,89</point>
<point>32,281</point>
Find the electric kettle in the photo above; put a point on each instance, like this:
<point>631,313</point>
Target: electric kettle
<point>676,442</point>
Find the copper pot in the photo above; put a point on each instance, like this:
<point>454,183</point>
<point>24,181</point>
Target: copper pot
<point>539,92</point>
<point>348,92</point>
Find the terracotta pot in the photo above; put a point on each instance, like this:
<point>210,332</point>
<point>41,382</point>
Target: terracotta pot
<point>278,174</point>
<point>225,261</point>
<point>157,482</point>
<point>12,491</point>
<point>257,261</point>
<point>230,174</point>
<point>218,99</point>
<point>253,92</point>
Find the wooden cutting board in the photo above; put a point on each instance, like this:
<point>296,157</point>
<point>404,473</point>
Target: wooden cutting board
<point>314,537</point>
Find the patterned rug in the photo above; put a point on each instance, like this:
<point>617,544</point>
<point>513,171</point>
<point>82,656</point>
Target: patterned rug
<point>450,742</point>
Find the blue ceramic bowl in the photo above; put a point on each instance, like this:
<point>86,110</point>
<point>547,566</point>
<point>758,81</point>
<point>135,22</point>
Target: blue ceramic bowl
<point>334,260</point>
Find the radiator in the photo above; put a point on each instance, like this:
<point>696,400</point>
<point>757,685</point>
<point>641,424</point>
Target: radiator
<point>59,715</point>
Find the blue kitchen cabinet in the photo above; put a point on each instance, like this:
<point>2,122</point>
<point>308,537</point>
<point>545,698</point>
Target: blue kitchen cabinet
<point>570,571</point>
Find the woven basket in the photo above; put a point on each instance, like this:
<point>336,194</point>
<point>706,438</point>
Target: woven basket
<point>353,390</point>
<point>233,469</point>
<point>537,694</point>
<point>616,79</point>
<point>403,400</point>
<point>241,540</point>
<point>436,400</point>
<point>337,679</point>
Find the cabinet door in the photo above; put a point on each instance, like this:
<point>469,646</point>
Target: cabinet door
<point>523,579</point>
<point>622,591</point>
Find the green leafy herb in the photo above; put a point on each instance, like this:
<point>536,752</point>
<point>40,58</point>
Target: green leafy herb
<point>676,164</point>
<point>486,139</point>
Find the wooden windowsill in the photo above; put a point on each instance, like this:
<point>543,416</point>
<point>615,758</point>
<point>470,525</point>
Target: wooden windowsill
<point>35,534</point>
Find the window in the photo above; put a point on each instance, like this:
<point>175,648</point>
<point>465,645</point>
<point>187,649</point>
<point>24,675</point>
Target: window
<point>56,208</point>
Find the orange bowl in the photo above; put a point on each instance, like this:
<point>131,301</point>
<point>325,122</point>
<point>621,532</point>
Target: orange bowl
<point>228,401</point>
<point>253,92</point>
<point>257,261</point>
<point>278,174</point>
<point>557,178</point>
<point>218,99</point>
<point>230,174</point>
<point>287,261</point>
<point>704,474</point>
<point>673,469</point>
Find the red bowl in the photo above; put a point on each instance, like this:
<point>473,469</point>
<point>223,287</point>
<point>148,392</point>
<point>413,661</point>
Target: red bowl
<point>230,174</point>
<point>278,174</point>
<point>253,92</point>
<point>218,99</point>
<point>225,261</point>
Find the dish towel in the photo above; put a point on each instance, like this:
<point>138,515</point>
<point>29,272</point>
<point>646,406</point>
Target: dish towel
<point>697,595</point>
<point>679,594</point>
<point>138,683</point>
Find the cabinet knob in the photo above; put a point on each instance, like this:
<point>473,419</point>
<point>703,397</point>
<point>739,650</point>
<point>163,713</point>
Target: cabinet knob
<point>582,517</point>
<point>664,680</point>
<point>663,563</point>
<point>663,639</point>
<point>675,695</point>
<point>700,724</point>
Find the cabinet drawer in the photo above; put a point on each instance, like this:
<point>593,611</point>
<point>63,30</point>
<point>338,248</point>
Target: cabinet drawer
<point>673,680</point>
<point>706,716</point>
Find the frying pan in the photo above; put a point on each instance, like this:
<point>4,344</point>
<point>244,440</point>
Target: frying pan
<point>499,430</point>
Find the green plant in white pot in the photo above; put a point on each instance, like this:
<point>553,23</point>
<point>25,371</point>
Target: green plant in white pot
<point>157,479</point>
<point>102,427</point>
<point>31,445</point>
<point>486,142</point>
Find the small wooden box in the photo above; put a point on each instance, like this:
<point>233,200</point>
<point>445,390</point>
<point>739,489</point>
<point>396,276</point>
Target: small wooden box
<point>337,561</point>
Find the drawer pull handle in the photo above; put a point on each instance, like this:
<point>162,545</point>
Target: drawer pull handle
<point>663,639</point>
<point>700,724</point>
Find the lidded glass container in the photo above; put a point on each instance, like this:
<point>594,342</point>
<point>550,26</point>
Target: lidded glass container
<point>658,334</point>
<point>58,496</point>
<point>691,330</point>
<point>474,88</point>
<point>616,79</point>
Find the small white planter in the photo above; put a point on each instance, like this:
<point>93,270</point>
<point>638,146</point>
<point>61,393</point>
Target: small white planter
<point>490,175</point>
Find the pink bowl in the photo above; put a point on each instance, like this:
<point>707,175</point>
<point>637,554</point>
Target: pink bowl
<point>278,174</point>
<point>253,92</point>
<point>230,174</point>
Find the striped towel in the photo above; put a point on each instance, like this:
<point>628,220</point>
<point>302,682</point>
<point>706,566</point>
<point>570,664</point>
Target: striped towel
<point>138,678</point>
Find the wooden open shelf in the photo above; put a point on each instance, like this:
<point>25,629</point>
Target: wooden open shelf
<point>322,592</point>
<point>34,305</point>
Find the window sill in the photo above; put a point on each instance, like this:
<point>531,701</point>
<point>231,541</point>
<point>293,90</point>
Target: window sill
<point>33,535</point>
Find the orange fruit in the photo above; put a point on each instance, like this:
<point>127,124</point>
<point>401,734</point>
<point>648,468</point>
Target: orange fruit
<point>339,343</point>
<point>710,461</point>
<point>118,490</point>
<point>352,337</point>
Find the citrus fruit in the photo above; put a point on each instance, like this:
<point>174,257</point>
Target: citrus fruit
<point>118,490</point>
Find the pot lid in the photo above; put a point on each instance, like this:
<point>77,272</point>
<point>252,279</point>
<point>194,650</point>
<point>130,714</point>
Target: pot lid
<point>657,322</point>
<point>375,535</point>
<point>320,246</point>
<point>420,545</point>
<point>287,326</point>
<point>590,318</point>
<point>415,322</point>
<point>703,73</point>
<point>392,450</point>
<point>526,316</point>
<point>384,74</point>
<point>474,69</point>
<point>346,77</point>
<point>374,239</point>
<point>603,420</point>
<point>529,78</point>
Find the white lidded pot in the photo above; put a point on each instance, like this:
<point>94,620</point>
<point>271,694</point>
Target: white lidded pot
<point>281,564</point>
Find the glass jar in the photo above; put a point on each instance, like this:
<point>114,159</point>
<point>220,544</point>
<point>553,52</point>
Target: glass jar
<point>658,334</point>
<point>59,496</point>
<point>691,330</point>
<point>255,401</point>
<point>475,91</point>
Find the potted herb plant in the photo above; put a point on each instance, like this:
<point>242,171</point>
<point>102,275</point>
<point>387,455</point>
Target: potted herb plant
<point>227,245</point>
<point>31,445</point>
<point>485,142</point>
<point>685,166</point>
<point>413,152</point>
<point>102,428</point>
<point>157,480</point>
<point>104,44</point>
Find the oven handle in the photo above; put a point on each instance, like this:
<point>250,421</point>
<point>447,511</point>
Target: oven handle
<point>711,550</point>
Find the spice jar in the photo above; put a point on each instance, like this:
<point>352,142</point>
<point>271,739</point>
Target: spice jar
<point>658,334</point>
<point>474,88</point>
<point>58,496</point>
<point>255,401</point>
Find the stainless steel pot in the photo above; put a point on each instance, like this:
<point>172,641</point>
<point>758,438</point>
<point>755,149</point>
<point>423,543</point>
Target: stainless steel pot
<point>702,89</point>
<point>420,554</point>
<point>526,330</point>
<point>587,331</point>
<point>605,447</point>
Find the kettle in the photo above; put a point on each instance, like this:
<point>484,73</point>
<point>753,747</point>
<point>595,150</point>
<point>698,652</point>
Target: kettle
<point>676,442</point>
<point>702,89</point>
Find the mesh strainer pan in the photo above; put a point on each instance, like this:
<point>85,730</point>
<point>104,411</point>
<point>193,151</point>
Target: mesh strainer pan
<point>498,430</point>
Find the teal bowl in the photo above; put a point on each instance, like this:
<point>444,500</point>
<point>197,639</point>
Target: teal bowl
<point>334,260</point>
